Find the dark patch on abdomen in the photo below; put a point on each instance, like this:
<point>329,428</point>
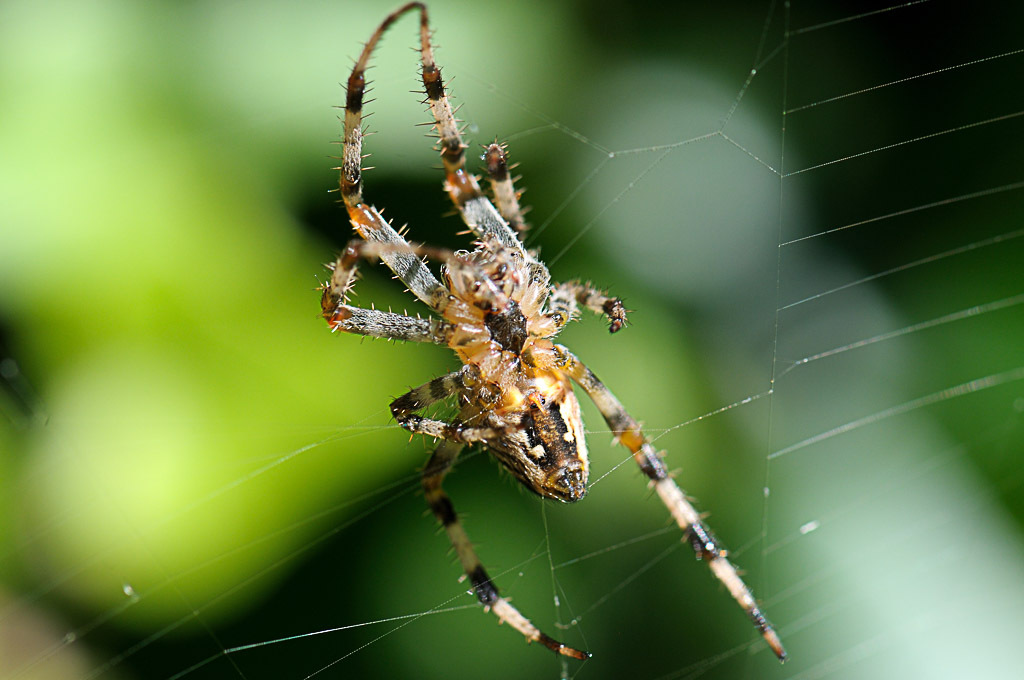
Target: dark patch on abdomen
<point>552,428</point>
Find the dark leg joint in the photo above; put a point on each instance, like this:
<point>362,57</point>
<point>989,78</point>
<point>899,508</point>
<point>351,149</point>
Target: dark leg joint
<point>349,183</point>
<point>354,97</point>
<point>497,167</point>
<point>650,464</point>
<point>451,149</point>
<point>760,622</point>
<point>768,633</point>
<point>437,389</point>
<point>329,306</point>
<point>351,254</point>
<point>403,405</point>
<point>616,314</point>
<point>453,431</point>
<point>410,422</point>
<point>558,648</point>
<point>485,590</point>
<point>432,83</point>
<point>703,542</point>
<point>444,510</point>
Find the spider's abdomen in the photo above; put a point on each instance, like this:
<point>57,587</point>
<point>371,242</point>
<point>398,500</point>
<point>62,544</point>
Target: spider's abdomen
<point>547,450</point>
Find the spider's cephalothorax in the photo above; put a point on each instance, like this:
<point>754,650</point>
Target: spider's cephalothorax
<point>497,308</point>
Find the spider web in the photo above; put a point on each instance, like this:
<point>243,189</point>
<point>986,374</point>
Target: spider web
<point>813,208</point>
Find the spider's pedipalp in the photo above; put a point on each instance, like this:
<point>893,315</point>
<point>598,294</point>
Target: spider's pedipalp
<point>566,296</point>
<point>506,198</point>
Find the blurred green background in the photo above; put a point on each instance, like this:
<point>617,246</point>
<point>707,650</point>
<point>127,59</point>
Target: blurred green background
<point>190,463</point>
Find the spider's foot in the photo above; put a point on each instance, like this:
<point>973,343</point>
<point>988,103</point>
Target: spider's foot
<point>772,638</point>
<point>616,313</point>
<point>768,633</point>
<point>565,650</point>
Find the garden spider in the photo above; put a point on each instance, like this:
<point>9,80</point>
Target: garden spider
<point>498,310</point>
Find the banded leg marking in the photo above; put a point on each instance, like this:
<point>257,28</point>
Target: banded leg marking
<point>388,325</point>
<point>342,316</point>
<point>561,307</point>
<point>486,592</point>
<point>403,409</point>
<point>430,393</point>
<point>365,219</point>
<point>700,538</point>
<point>477,212</point>
<point>454,431</point>
<point>400,257</point>
<point>462,187</point>
<point>351,181</point>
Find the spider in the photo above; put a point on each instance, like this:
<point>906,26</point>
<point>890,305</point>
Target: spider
<point>498,309</point>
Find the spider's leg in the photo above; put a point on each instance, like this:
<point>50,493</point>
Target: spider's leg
<point>433,475</point>
<point>477,212</point>
<point>560,308</point>
<point>342,316</point>
<point>378,324</point>
<point>506,198</point>
<point>373,322</point>
<point>629,434</point>
<point>351,180</point>
<point>401,258</point>
<point>404,410</point>
<point>566,296</point>
<point>466,277</point>
<point>366,220</point>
